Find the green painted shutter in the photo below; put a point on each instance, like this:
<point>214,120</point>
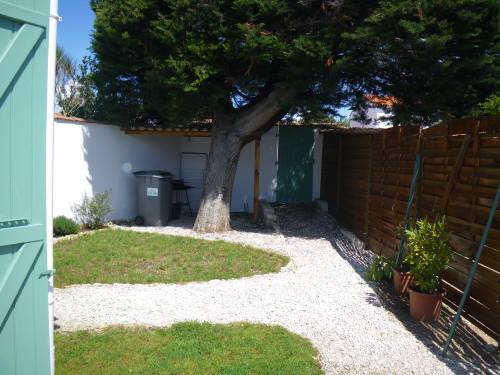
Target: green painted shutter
<point>295,165</point>
<point>24,323</point>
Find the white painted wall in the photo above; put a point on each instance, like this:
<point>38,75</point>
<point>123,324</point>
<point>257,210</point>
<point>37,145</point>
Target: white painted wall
<point>90,158</point>
<point>243,182</point>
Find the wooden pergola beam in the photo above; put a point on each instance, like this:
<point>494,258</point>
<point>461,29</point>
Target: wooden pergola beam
<point>169,133</point>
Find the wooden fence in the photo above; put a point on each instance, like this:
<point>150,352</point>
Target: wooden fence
<point>366,181</point>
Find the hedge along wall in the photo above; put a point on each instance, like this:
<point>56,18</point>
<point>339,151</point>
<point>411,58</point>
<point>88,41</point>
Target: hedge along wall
<point>366,181</point>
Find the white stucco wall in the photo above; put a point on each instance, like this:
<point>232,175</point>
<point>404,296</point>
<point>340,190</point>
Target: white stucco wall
<point>243,182</point>
<point>90,158</point>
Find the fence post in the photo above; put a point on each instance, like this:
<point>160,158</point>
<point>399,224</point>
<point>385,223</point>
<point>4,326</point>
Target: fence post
<point>420,150</point>
<point>339,174</point>
<point>477,164</point>
<point>369,187</point>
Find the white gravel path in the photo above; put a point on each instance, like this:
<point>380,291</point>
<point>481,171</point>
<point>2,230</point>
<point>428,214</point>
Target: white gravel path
<point>318,296</point>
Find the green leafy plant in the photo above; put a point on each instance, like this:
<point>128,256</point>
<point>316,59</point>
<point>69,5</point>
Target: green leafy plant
<point>93,210</point>
<point>380,268</point>
<point>64,226</point>
<point>430,253</point>
<point>490,107</point>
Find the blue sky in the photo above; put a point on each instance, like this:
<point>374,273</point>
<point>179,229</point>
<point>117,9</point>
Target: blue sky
<point>73,32</point>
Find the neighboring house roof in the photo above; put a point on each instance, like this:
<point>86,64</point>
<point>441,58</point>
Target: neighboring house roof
<point>381,101</point>
<point>376,115</point>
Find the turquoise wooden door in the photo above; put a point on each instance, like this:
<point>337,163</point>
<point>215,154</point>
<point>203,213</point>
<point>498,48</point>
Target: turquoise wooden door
<point>295,165</point>
<point>24,322</point>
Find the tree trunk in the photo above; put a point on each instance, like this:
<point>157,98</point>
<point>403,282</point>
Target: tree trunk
<point>215,207</point>
<point>230,133</point>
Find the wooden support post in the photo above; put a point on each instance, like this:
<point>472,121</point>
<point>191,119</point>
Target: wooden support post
<point>256,179</point>
<point>368,192</point>
<point>446,144</point>
<point>477,164</point>
<point>398,172</point>
<point>459,161</point>
<point>420,150</point>
<point>339,173</point>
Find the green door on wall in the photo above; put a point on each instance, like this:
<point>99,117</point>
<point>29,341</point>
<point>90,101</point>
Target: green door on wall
<point>295,165</point>
<point>24,322</point>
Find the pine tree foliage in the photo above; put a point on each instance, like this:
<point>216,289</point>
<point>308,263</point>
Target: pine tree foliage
<point>174,60</point>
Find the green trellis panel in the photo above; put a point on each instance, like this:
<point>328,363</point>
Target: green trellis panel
<point>24,321</point>
<point>295,165</point>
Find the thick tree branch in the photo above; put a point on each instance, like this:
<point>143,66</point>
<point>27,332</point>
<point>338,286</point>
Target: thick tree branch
<point>262,130</point>
<point>250,120</point>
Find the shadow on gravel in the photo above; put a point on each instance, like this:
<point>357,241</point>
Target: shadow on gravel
<point>239,221</point>
<point>471,352</point>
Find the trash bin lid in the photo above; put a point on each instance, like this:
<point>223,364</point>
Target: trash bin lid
<point>153,173</point>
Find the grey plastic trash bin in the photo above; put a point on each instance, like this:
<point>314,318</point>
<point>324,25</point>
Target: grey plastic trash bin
<point>154,197</point>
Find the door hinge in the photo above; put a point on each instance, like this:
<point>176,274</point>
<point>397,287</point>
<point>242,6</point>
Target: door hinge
<point>14,223</point>
<point>48,273</point>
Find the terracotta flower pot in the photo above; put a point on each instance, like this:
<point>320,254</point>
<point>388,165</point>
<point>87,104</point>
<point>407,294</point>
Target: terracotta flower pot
<point>402,280</point>
<point>425,307</point>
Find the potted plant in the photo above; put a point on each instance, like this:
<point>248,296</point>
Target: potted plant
<point>401,276</point>
<point>402,279</point>
<point>429,255</point>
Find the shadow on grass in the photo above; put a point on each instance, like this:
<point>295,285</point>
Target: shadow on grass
<point>470,351</point>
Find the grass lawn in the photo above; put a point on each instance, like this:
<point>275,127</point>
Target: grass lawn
<point>188,349</point>
<point>122,256</point>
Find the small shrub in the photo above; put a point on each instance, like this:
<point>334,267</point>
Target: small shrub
<point>93,210</point>
<point>430,253</point>
<point>64,226</point>
<point>381,268</point>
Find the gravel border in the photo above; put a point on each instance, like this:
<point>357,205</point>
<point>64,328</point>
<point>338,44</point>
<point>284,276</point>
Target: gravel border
<point>321,295</point>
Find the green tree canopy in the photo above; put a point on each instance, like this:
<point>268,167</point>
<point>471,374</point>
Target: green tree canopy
<point>438,58</point>
<point>172,60</point>
<point>175,60</point>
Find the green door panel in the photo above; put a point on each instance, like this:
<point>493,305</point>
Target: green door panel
<point>295,165</point>
<point>24,320</point>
